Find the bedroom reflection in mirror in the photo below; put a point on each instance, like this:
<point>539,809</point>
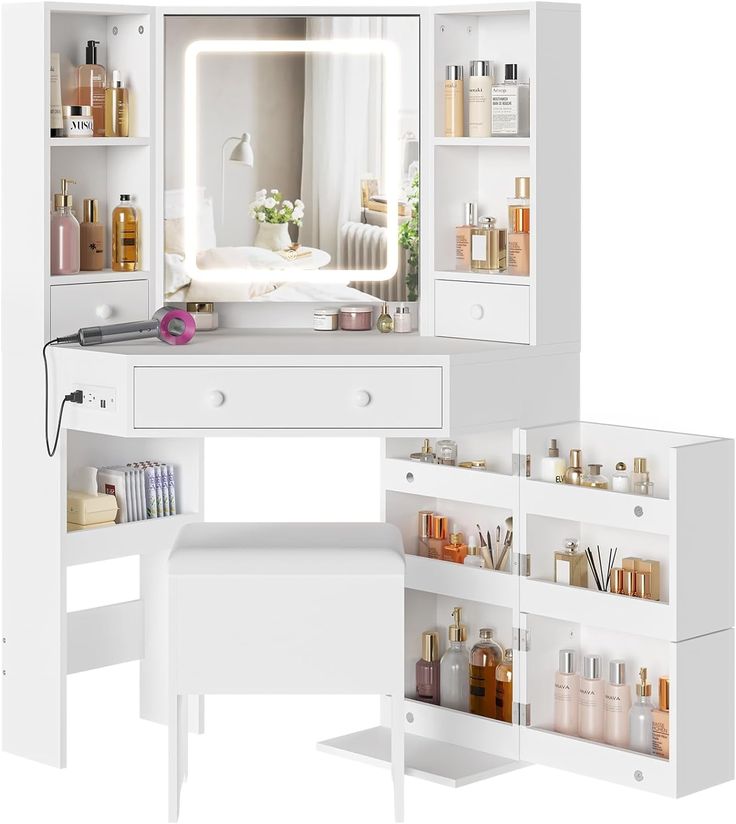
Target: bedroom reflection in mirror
<point>291,158</point>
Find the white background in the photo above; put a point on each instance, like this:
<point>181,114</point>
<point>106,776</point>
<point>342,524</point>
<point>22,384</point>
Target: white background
<point>658,325</point>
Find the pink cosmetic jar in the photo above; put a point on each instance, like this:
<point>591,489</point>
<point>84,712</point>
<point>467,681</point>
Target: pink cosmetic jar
<point>356,318</point>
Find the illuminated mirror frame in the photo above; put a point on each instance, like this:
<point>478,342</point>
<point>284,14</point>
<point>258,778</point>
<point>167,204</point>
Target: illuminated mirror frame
<point>383,48</point>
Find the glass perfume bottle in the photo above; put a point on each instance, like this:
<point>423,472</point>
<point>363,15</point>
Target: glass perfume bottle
<point>661,721</point>
<point>124,236</point>
<point>456,550</point>
<point>518,239</point>
<point>116,108</point>
<point>616,705</point>
<point>574,471</point>
<point>640,483</point>
<point>485,656</point>
<point>463,236</point>
<point>424,517</point>
<point>590,699</point>
<point>426,455</point>
<point>473,558</point>
<point>640,716</point>
<point>446,452</point>
<point>620,482</point>
<point>552,468</point>
<point>91,86</point>
<point>566,694</point>
<point>454,666</point>
<point>593,478</point>
<point>385,322</point>
<point>487,247</point>
<point>437,542</point>
<point>505,688</point>
<point>571,565</point>
<point>428,669</point>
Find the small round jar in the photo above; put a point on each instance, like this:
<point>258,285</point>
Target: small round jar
<point>356,318</point>
<point>402,318</point>
<point>205,317</point>
<point>78,121</point>
<point>325,320</point>
<point>446,451</point>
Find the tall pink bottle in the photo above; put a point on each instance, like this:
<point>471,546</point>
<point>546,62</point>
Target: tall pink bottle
<point>566,694</point>
<point>616,706</point>
<point>64,233</point>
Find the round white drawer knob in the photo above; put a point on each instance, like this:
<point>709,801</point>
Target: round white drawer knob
<point>104,311</point>
<point>215,398</point>
<point>362,398</point>
<point>476,311</point>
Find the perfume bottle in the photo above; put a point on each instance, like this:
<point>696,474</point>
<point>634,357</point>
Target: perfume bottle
<point>446,452</point>
<point>91,87</point>
<point>454,95</point>
<point>616,705</point>
<point>124,236</point>
<point>505,688</point>
<point>571,565</point>
<point>473,558</point>
<point>640,483</point>
<point>590,699</point>
<point>552,468</point>
<point>479,98</point>
<point>64,238</point>
<point>463,236</point>
<point>454,666</point>
<point>640,716</point>
<point>505,103</point>
<point>91,238</point>
<point>437,542</point>
<point>661,721</point>
<point>424,517</point>
<point>487,247</point>
<point>593,478</point>
<point>428,669</point>
<point>518,240</point>
<point>574,472</point>
<point>620,482</point>
<point>485,656</point>
<point>566,694</point>
<point>426,455</point>
<point>652,570</point>
<point>385,322</point>
<point>456,550</point>
<point>116,108</point>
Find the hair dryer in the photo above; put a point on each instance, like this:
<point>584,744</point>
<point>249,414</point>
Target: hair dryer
<point>169,324</point>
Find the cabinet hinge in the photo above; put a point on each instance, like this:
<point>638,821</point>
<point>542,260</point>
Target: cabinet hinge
<point>522,714</point>
<point>520,639</point>
<point>521,564</point>
<point>522,465</point>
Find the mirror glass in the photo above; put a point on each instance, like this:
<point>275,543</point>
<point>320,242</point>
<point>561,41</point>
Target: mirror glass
<point>291,158</point>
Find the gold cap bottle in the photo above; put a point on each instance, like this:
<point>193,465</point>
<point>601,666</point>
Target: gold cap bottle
<point>640,465</point>
<point>456,630</point>
<point>63,200</point>
<point>574,472</point>
<point>430,646</point>
<point>664,693</point>
<point>643,687</point>
<point>523,187</point>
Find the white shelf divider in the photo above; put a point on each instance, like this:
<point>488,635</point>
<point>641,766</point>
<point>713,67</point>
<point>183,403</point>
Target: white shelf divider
<point>486,586</point>
<point>107,142</point>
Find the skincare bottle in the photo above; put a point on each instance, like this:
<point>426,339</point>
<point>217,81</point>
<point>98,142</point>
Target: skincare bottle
<point>124,236</point>
<point>552,468</point>
<point>454,94</point>
<point>426,455</point>
<point>64,233</point>
<point>485,656</point>
<point>473,558</point>
<point>574,472</point>
<point>620,482</point>
<point>590,699</point>
<point>454,666</point>
<point>428,669</point>
<point>652,570</point>
<point>505,688</point>
<point>566,694</point>
<point>640,716</point>
<point>479,99</point>
<point>463,237</point>
<point>116,108</point>
<point>593,478</point>
<point>616,705</point>
<point>518,241</point>
<point>456,550</point>
<point>437,542</point>
<point>571,565</point>
<point>640,483</point>
<point>616,585</point>
<point>402,318</point>
<point>446,452</point>
<point>661,721</point>
<point>505,103</point>
<point>56,123</point>
<point>385,322</point>
<point>91,87</point>
<point>91,238</point>
<point>424,532</point>
<point>487,247</point>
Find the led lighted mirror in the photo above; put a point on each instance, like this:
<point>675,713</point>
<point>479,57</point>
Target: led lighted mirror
<point>291,158</point>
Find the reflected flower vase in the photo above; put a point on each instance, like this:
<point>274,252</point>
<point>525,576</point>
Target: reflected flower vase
<point>273,236</point>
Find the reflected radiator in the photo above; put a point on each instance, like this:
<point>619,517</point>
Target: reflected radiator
<point>363,246</point>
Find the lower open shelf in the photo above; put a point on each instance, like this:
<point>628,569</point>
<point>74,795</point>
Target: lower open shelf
<point>436,761</point>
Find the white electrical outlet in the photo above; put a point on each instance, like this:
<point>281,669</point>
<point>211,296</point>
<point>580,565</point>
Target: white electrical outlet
<point>102,398</point>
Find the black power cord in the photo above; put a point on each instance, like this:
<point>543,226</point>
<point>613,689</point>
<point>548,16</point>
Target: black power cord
<point>72,397</point>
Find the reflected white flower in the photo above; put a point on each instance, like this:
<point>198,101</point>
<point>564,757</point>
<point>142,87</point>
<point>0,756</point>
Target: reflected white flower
<point>288,204</point>
<point>261,193</point>
<point>269,203</point>
<point>261,217</point>
<point>298,203</point>
<point>298,213</point>
<point>273,191</point>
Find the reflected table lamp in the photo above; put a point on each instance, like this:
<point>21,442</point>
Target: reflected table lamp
<point>242,153</point>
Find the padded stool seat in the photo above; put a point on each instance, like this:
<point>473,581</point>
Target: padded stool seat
<point>242,594</point>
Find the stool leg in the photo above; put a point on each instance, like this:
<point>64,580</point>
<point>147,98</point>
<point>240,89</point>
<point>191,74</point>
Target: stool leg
<point>397,751</point>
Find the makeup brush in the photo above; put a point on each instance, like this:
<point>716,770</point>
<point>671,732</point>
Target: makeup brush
<point>506,546</point>
<point>482,539</point>
<point>498,541</point>
<point>490,548</point>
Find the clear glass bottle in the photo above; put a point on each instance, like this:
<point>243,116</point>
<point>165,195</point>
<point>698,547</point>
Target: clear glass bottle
<point>485,656</point>
<point>552,468</point>
<point>590,699</point>
<point>463,237</point>
<point>616,705</point>
<point>446,451</point>
<point>64,238</point>
<point>574,471</point>
<point>91,87</point>
<point>487,246</point>
<point>505,688</point>
<point>454,664</point>
<point>385,322</point>
<point>424,532</point>
<point>116,108</point>
<point>124,236</point>
<point>661,721</point>
<point>640,716</point>
<point>640,483</point>
<point>593,477</point>
<point>566,694</point>
<point>426,455</point>
<point>620,482</point>
<point>428,669</point>
<point>473,558</point>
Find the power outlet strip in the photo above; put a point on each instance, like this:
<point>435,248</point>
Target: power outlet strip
<point>100,398</point>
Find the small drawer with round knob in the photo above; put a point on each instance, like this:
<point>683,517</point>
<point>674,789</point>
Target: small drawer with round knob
<point>482,311</point>
<point>95,304</point>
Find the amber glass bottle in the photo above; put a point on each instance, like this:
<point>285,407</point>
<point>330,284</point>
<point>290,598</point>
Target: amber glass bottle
<point>504,688</point>
<point>485,656</point>
<point>124,236</point>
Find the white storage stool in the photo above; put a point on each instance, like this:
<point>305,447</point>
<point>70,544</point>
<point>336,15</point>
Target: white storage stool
<point>228,581</point>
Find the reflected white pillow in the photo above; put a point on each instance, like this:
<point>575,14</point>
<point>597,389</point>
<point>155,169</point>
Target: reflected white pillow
<point>174,222</point>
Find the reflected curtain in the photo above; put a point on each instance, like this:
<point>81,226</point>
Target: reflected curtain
<point>343,130</point>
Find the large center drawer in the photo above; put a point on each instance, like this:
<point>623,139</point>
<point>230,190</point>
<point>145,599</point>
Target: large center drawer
<point>322,397</point>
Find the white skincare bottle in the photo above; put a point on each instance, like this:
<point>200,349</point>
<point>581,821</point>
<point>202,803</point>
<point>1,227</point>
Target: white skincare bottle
<point>505,103</point>
<point>620,481</point>
<point>454,667</point>
<point>640,716</point>
<point>479,99</point>
<point>553,467</point>
<point>473,558</point>
<point>566,694</point>
<point>590,699</point>
<point>616,705</point>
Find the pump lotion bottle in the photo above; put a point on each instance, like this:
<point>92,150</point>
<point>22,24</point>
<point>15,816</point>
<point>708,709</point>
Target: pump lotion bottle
<point>64,233</point>
<point>454,667</point>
